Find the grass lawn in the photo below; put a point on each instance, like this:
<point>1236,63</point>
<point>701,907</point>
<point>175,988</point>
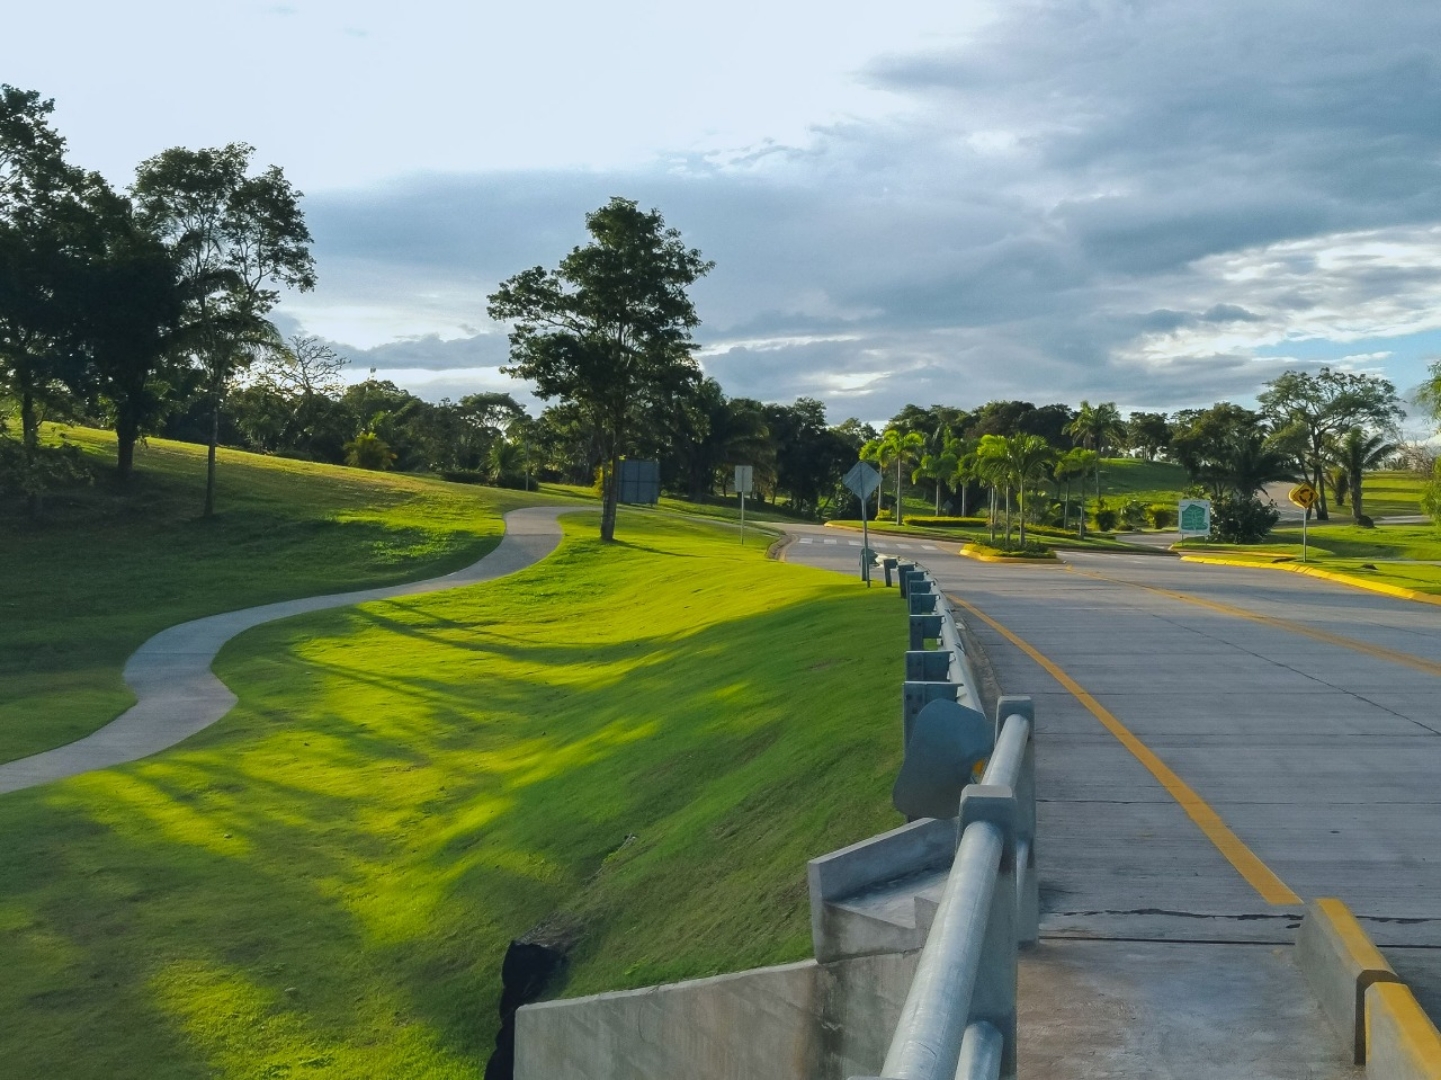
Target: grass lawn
<point>645,741</point>
<point>1127,478</point>
<point>107,567</point>
<point>1388,494</point>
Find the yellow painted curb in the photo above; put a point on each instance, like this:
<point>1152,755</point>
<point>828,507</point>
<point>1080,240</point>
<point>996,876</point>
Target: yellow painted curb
<point>980,554</point>
<point>1340,963</point>
<point>1398,591</point>
<point>1402,1043</point>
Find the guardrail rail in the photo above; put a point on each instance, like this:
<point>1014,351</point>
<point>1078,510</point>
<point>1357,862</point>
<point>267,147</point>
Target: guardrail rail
<point>959,1018</point>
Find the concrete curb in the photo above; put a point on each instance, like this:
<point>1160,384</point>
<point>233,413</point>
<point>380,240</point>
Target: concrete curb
<point>1397,591</point>
<point>1340,963</point>
<point>1402,1043</point>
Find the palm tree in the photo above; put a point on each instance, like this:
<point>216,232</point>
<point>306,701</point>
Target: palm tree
<point>939,465</point>
<point>965,471</point>
<point>1029,458</point>
<point>991,470</point>
<point>1097,427</point>
<point>1360,452</point>
<point>897,448</point>
<point>1074,464</point>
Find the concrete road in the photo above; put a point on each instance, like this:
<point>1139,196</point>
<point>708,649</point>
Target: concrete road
<point>1305,715</point>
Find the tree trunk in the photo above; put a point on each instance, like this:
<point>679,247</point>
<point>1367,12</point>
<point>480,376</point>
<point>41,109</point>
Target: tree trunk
<point>898,490</point>
<point>938,498</point>
<point>1356,512</point>
<point>1008,515</point>
<point>1321,512</point>
<point>965,491</point>
<point>210,458</point>
<point>127,434</point>
<point>610,486</point>
<point>992,513</point>
<point>1021,508</point>
<point>30,445</point>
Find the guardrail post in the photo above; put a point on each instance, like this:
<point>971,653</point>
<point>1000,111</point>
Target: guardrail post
<point>993,1001</point>
<point>888,564</point>
<point>923,628</point>
<point>915,696</point>
<point>903,572</point>
<point>922,603</point>
<point>1028,884</point>
<point>928,665</point>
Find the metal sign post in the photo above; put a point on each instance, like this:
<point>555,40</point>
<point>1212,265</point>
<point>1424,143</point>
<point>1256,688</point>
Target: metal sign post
<point>744,474</point>
<point>863,479</point>
<point>1304,496</point>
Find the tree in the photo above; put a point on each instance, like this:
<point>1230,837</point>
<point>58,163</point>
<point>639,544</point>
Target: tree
<point>1074,464</point>
<point>1359,452</point>
<point>45,219</point>
<point>131,324</point>
<point>939,466</point>
<point>1317,408</point>
<point>1097,427</point>
<point>1148,434</point>
<point>1228,449</point>
<point>898,448</point>
<point>1016,461</point>
<point>609,330</point>
<point>238,239</point>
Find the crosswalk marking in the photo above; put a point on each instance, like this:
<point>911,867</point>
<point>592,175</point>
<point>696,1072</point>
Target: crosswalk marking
<point>808,539</point>
<point>904,547</point>
<point>854,543</point>
<point>929,547</point>
<point>828,540</point>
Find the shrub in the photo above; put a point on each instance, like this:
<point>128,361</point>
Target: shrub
<point>1032,550</point>
<point>946,522</point>
<point>1161,516</point>
<point>1133,513</point>
<point>1242,520</point>
<point>47,468</point>
<point>1105,518</point>
<point>1365,521</point>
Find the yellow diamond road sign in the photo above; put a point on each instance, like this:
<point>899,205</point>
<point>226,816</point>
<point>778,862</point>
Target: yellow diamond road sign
<point>1304,496</point>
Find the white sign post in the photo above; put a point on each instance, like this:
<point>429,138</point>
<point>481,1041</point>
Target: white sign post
<point>863,479</point>
<point>744,484</point>
<point>1193,518</point>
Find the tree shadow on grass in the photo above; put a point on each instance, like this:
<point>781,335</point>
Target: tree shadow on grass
<point>381,870</point>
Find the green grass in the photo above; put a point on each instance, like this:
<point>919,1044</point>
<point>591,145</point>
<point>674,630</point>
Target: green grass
<point>1342,541</point>
<point>1123,479</point>
<point>107,567</point>
<point>644,741</point>
<point>1389,494</point>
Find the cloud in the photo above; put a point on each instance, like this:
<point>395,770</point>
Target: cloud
<point>1156,202</point>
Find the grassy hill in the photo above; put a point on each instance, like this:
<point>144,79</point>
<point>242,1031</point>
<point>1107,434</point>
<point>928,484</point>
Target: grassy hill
<point>643,742</point>
<point>108,566</point>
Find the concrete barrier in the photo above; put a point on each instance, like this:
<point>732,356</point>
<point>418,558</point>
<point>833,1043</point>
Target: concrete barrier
<point>1401,1041</point>
<point>1340,963</point>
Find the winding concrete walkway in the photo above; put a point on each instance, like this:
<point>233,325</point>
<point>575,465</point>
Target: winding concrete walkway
<point>177,693</point>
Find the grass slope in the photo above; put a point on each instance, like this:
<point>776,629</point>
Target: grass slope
<point>646,740</point>
<point>109,566</point>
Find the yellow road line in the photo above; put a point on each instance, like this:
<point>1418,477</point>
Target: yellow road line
<point>1260,876</point>
<point>1380,652</point>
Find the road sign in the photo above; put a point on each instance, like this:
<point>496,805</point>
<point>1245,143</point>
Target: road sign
<point>745,474</point>
<point>863,480</point>
<point>1304,496</point>
<point>1194,517</point>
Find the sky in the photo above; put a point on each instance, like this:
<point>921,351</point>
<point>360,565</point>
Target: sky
<point>1163,204</point>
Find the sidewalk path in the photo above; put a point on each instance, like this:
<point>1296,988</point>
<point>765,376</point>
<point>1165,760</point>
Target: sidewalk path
<point>178,695</point>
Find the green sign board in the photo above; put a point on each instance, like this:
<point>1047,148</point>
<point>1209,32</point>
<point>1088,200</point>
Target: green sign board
<point>1194,516</point>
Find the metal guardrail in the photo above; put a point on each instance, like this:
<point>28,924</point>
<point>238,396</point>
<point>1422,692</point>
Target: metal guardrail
<point>959,1018</point>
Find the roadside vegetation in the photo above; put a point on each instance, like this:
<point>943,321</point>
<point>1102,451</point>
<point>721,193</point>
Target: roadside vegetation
<point>637,744</point>
<point>111,564</point>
